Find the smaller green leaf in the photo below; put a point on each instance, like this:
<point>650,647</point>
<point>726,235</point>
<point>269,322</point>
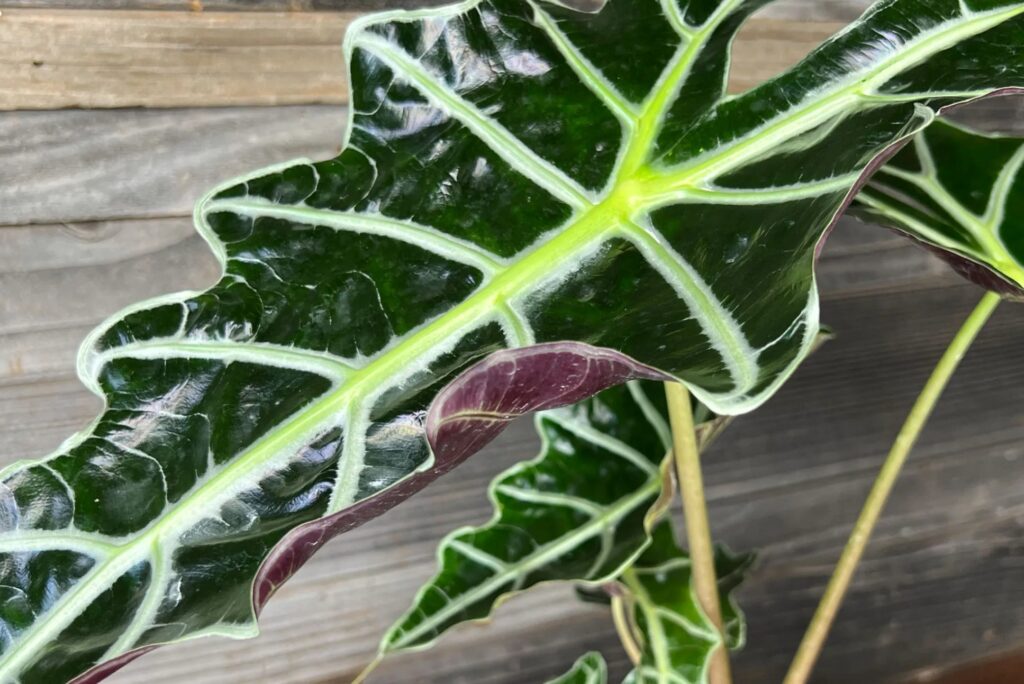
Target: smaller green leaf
<point>961,193</point>
<point>675,636</point>
<point>580,511</point>
<point>589,669</point>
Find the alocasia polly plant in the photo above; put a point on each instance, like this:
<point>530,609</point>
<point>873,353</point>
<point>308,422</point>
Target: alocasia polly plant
<point>514,173</point>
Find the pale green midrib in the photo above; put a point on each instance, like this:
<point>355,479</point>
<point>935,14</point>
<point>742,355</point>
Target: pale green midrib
<point>160,568</point>
<point>781,194</point>
<point>554,499</point>
<point>884,205</point>
<point>1008,177</point>
<point>904,98</point>
<point>973,224</point>
<point>670,8</point>
<point>311,419</point>
<point>651,414</point>
<point>648,125</point>
<point>476,555</point>
<point>655,630</point>
<point>667,566</point>
<point>596,525</point>
<point>276,356</point>
<point>518,325</point>
<point>518,154</point>
<point>736,352</point>
<point>995,252</point>
<point>820,110</point>
<point>426,238</point>
<point>680,621</point>
<point>604,90</point>
<point>15,541</point>
<point>606,442</point>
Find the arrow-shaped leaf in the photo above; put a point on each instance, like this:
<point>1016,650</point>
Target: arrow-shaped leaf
<point>580,511</point>
<point>961,193</point>
<point>589,669</point>
<point>675,636</point>
<point>514,173</point>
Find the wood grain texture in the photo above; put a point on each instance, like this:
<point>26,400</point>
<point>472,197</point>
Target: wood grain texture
<point>821,10</point>
<point>52,59</point>
<point>82,58</point>
<point>944,579</point>
<point>114,165</point>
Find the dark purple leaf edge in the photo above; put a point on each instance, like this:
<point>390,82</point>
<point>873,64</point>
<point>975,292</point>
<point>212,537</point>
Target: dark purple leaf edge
<point>504,386</point>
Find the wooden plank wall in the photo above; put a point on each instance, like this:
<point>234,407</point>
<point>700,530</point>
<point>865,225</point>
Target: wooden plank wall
<point>98,58</point>
<point>94,214</point>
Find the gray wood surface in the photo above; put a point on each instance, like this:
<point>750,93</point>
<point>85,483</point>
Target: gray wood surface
<point>110,193</point>
<point>57,58</point>
<point>87,58</point>
<point>838,10</point>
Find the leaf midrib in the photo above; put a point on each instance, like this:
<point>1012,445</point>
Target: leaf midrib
<point>611,515</point>
<point>696,172</point>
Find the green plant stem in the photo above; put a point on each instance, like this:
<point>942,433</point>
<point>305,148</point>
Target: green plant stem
<point>698,531</point>
<point>623,627</point>
<point>824,616</point>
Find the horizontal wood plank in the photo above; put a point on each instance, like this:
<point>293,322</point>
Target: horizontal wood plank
<point>74,166</point>
<point>834,10</point>
<point>79,58</point>
<point>52,59</point>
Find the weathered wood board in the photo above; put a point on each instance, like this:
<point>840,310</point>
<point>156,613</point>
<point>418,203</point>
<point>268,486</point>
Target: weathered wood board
<point>835,10</point>
<point>51,59</point>
<point>943,581</point>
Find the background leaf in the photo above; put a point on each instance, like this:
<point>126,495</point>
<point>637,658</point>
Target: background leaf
<point>246,424</point>
<point>579,511</point>
<point>961,193</point>
<point>676,638</point>
<point>590,669</point>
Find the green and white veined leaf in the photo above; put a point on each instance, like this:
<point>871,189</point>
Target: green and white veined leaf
<point>589,669</point>
<point>676,639</point>
<point>581,511</point>
<point>961,192</point>
<point>514,173</point>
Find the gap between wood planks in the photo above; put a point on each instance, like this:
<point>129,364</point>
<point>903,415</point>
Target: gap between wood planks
<point>53,59</point>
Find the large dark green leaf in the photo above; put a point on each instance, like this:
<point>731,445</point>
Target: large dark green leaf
<point>514,173</point>
<point>582,510</point>
<point>961,193</point>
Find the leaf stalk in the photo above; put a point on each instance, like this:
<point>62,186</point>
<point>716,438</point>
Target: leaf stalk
<point>824,616</point>
<point>625,630</point>
<point>698,530</point>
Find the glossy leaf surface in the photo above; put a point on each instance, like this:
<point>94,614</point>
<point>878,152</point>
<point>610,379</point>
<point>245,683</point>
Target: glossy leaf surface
<point>514,173</point>
<point>960,192</point>
<point>675,636</point>
<point>580,511</point>
<point>590,669</point>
